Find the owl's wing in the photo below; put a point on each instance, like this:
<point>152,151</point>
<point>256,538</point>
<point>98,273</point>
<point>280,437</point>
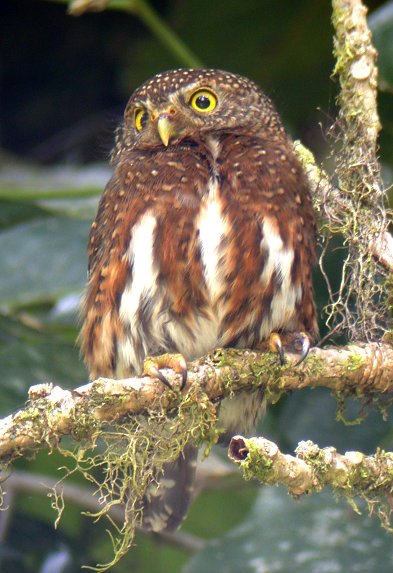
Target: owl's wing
<point>147,211</point>
<point>145,217</point>
<point>267,202</point>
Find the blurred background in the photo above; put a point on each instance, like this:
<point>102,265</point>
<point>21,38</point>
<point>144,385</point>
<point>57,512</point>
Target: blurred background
<point>64,82</point>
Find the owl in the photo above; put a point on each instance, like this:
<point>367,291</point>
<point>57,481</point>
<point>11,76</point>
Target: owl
<point>204,238</point>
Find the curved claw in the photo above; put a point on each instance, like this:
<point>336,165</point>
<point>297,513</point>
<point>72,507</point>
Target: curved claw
<point>306,345</point>
<point>184,374</point>
<point>177,362</point>
<point>275,345</point>
<point>294,342</point>
<point>154,372</point>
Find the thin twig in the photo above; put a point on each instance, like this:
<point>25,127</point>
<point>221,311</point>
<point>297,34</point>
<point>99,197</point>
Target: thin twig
<point>325,194</point>
<point>151,19</point>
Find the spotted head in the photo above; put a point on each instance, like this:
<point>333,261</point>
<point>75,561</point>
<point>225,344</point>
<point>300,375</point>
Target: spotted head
<point>189,103</point>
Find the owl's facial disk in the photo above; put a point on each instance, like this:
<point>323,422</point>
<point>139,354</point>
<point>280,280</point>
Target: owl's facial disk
<point>189,104</point>
<point>176,120</point>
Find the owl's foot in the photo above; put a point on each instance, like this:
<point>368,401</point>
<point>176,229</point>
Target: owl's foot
<point>177,362</point>
<point>294,342</point>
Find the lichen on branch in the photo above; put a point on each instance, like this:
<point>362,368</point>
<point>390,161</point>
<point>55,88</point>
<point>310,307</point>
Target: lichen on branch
<point>326,195</point>
<point>350,475</point>
<point>364,371</point>
<point>128,429</point>
<point>121,441</point>
<point>358,209</point>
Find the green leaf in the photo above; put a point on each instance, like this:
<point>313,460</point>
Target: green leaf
<point>42,260</point>
<point>312,535</point>
<point>29,357</point>
<point>65,190</point>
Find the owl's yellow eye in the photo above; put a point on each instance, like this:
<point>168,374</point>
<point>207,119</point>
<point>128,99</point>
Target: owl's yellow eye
<point>140,118</point>
<point>203,101</point>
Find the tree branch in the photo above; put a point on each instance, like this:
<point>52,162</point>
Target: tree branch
<point>360,214</point>
<point>314,468</point>
<point>357,72</point>
<point>328,200</point>
<point>362,370</point>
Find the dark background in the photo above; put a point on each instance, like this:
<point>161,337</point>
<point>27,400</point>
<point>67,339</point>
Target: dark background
<point>61,72</point>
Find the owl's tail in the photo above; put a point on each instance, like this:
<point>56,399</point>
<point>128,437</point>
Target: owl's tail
<point>166,503</point>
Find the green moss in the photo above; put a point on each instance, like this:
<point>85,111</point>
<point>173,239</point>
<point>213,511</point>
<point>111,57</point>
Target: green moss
<point>317,458</point>
<point>341,398</point>
<point>353,363</point>
<point>263,369</point>
<point>255,466</point>
<point>122,458</point>
<point>314,366</point>
<point>221,357</point>
<point>84,424</point>
<point>35,416</point>
<point>389,291</point>
<point>269,363</point>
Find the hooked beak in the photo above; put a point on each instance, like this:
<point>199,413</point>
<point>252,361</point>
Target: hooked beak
<point>165,128</point>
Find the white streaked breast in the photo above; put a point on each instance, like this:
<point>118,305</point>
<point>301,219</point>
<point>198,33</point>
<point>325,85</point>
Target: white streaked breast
<point>279,260</point>
<point>142,284</point>
<point>144,275</point>
<point>273,245</point>
<point>205,331</point>
<point>212,229</point>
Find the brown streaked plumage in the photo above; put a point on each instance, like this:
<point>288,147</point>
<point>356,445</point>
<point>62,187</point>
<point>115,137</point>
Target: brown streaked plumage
<point>204,237</point>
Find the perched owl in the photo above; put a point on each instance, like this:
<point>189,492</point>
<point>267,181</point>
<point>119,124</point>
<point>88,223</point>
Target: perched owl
<point>204,238</point>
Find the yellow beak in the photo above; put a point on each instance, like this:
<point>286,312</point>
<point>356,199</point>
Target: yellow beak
<point>165,128</point>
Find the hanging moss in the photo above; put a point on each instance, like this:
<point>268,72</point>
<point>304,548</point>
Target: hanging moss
<point>122,459</point>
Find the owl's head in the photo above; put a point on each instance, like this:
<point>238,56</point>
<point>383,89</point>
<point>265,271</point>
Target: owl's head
<point>190,103</point>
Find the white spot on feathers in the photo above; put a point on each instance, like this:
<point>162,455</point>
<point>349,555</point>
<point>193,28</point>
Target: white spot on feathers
<point>279,261</point>
<point>212,229</point>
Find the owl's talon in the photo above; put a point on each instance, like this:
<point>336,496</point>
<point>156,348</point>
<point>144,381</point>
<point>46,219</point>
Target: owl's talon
<point>275,345</point>
<point>295,342</point>
<point>155,373</point>
<point>184,374</point>
<point>177,362</point>
<point>305,342</point>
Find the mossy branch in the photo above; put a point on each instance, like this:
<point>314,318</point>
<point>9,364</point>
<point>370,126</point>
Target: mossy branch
<point>313,468</point>
<point>364,371</point>
<point>358,209</point>
<point>328,201</point>
<point>357,73</point>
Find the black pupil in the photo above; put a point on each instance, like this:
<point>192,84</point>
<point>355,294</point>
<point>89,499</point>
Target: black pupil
<point>202,102</point>
<point>143,119</point>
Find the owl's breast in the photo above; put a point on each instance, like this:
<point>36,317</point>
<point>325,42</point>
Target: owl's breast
<point>225,267</point>
<point>227,288</point>
<point>248,270</point>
